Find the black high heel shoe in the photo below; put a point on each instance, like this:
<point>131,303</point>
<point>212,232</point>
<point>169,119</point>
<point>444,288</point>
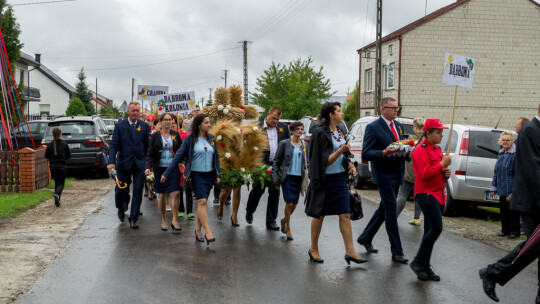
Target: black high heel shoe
<point>234,224</point>
<point>348,259</point>
<point>283,230</point>
<point>174,229</point>
<point>163,229</point>
<point>219,217</point>
<point>198,239</point>
<point>316,260</point>
<point>208,241</point>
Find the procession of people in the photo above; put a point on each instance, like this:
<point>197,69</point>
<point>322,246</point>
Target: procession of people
<point>319,171</point>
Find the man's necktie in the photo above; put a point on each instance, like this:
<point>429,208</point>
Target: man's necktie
<point>394,130</point>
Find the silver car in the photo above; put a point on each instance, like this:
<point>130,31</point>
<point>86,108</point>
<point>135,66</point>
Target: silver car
<point>474,152</point>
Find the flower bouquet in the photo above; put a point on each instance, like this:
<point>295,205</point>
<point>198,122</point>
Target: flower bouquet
<point>404,146</point>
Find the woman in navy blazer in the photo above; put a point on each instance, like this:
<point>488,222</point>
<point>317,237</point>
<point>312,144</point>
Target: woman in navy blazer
<point>202,167</point>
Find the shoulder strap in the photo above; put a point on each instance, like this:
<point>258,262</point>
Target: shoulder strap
<point>167,144</point>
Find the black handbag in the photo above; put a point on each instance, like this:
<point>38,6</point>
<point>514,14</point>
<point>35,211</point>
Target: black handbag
<point>357,212</point>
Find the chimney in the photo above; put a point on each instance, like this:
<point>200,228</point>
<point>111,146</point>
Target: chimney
<point>38,58</point>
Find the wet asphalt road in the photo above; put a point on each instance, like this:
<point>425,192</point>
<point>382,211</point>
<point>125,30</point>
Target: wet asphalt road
<point>107,262</point>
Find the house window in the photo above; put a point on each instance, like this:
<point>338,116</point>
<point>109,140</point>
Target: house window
<point>369,80</point>
<point>368,56</point>
<point>389,76</point>
<point>368,113</point>
<point>21,76</point>
<point>390,50</point>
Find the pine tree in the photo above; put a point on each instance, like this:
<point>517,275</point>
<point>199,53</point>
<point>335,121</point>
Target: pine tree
<point>83,93</point>
<point>76,107</point>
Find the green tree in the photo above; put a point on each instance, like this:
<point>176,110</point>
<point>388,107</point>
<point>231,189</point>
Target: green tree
<point>11,32</point>
<point>76,107</point>
<point>295,88</point>
<point>350,108</point>
<point>111,112</point>
<point>83,93</point>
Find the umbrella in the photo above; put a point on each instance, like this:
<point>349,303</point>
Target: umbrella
<point>533,240</point>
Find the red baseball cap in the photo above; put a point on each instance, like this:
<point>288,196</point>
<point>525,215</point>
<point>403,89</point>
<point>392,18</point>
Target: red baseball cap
<point>433,123</point>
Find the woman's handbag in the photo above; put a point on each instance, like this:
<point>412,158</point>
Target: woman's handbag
<point>357,212</point>
<point>305,178</point>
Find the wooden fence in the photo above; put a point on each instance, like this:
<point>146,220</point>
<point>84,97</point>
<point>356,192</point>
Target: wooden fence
<point>24,171</point>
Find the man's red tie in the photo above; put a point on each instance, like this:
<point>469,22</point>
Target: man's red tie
<point>394,130</point>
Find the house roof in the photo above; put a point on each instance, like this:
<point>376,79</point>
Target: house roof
<point>28,60</point>
<point>56,79</point>
<point>101,103</point>
<point>123,107</point>
<point>419,22</point>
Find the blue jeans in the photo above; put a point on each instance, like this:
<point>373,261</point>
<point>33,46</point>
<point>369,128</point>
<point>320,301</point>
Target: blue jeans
<point>432,226</point>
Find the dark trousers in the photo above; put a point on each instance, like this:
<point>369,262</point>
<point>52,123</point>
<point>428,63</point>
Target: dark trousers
<point>271,208</point>
<point>59,176</point>
<point>432,226</point>
<point>217,191</point>
<point>509,218</point>
<point>503,271</point>
<point>386,213</point>
<point>121,196</point>
<point>189,201</point>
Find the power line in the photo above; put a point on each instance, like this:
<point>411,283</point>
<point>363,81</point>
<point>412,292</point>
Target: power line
<point>155,63</point>
<point>273,19</point>
<point>42,2</point>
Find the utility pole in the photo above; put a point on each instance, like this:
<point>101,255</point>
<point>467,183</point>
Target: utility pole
<point>226,71</point>
<point>132,88</point>
<point>244,46</point>
<point>378,62</point>
<point>210,96</point>
<point>96,96</point>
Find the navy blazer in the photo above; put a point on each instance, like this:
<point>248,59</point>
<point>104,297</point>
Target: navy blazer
<point>376,138</point>
<point>130,145</point>
<point>186,152</point>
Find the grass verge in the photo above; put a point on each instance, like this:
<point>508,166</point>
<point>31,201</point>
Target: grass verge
<point>11,204</point>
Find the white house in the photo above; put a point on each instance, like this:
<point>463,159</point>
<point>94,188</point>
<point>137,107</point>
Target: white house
<point>21,71</point>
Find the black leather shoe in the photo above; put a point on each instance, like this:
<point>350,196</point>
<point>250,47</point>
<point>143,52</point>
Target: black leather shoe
<point>272,226</point>
<point>228,201</point>
<point>368,246</point>
<point>249,218</point>
<point>400,259</point>
<point>316,260</point>
<point>57,200</point>
<point>216,201</point>
<point>420,270</point>
<point>488,284</point>
<point>121,215</point>
<point>431,275</point>
<point>133,224</point>
<point>513,235</point>
<point>502,234</point>
<point>349,258</point>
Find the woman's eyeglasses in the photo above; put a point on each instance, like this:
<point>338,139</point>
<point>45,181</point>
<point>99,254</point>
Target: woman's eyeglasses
<point>170,119</point>
<point>299,129</point>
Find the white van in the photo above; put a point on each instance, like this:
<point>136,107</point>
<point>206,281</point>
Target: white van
<point>356,139</point>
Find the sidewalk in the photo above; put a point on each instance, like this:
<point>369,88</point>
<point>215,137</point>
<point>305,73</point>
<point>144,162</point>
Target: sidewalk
<point>34,239</point>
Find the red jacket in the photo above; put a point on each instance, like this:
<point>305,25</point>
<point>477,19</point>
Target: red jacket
<point>428,172</point>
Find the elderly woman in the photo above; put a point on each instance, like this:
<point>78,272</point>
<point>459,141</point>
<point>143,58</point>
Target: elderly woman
<point>503,181</point>
<point>163,146</point>
<point>290,160</point>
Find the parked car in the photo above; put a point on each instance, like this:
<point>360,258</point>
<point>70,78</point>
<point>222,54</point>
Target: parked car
<point>110,123</point>
<point>88,140</point>
<point>21,137</point>
<point>306,121</point>
<point>356,139</point>
<point>474,153</point>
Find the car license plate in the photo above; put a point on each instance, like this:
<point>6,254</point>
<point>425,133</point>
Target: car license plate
<point>74,146</point>
<point>491,197</point>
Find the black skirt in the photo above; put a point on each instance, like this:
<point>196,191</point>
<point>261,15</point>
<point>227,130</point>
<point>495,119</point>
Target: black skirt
<point>337,195</point>
<point>172,183</point>
<point>291,187</point>
<point>202,183</point>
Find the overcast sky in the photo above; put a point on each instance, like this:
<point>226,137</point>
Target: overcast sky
<point>197,40</point>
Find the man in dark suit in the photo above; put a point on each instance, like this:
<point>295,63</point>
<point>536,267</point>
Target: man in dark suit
<point>387,172</point>
<point>130,141</point>
<point>525,198</point>
<point>276,132</point>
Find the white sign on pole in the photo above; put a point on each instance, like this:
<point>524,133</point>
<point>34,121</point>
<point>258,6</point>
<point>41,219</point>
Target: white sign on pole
<point>458,70</point>
<point>175,103</point>
<point>149,92</point>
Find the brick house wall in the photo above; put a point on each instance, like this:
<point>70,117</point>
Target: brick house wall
<point>502,35</point>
